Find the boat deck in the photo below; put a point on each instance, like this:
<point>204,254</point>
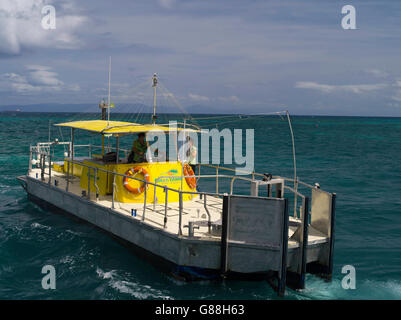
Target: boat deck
<point>193,211</point>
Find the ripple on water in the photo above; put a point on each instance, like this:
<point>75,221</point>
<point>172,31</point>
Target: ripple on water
<point>133,289</point>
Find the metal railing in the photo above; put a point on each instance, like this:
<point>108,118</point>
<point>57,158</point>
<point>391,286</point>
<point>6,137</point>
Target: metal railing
<point>47,155</point>
<point>42,166</point>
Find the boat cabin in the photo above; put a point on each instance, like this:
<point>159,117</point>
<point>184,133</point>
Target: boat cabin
<point>173,174</point>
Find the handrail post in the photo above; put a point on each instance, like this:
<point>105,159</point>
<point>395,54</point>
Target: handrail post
<point>42,167</point>
<point>96,186</point>
<point>232,184</point>
<point>154,195</point>
<point>217,179</point>
<point>180,215</point>
<point>50,168</point>
<point>114,186</point>
<point>165,206</point>
<point>68,175</point>
<point>118,150</point>
<point>209,221</point>
<point>89,185</point>
<point>295,197</point>
<point>30,160</point>
<point>72,153</point>
<point>144,203</point>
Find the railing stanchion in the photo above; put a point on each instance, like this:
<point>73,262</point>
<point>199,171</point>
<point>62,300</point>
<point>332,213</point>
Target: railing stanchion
<point>42,167</point>
<point>30,160</point>
<point>50,169</point>
<point>89,184</point>
<point>72,153</point>
<point>217,179</point>
<point>68,176</point>
<point>154,196</point>
<point>232,185</point>
<point>96,186</point>
<point>165,206</point>
<point>144,203</point>
<point>209,221</point>
<point>68,166</point>
<point>114,187</point>
<point>180,215</point>
<point>295,197</point>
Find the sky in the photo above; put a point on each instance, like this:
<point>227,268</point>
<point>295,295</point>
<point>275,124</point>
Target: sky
<point>229,56</point>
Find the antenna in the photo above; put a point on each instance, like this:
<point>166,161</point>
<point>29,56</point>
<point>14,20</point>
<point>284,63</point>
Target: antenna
<point>108,100</point>
<point>154,80</point>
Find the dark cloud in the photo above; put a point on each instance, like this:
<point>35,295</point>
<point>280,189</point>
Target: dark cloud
<point>228,55</point>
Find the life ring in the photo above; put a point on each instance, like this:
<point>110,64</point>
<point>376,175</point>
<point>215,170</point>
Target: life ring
<point>130,173</point>
<point>190,180</point>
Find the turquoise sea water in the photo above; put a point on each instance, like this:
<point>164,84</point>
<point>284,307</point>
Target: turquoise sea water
<point>358,158</point>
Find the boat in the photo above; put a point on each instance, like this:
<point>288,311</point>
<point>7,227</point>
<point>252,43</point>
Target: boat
<point>274,233</point>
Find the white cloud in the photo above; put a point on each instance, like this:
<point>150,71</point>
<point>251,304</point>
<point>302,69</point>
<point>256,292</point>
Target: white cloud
<point>377,73</point>
<point>15,82</point>
<point>397,94</point>
<point>36,79</point>
<point>42,76</point>
<point>197,97</point>
<point>21,26</point>
<point>354,88</point>
<point>200,98</point>
<point>229,99</point>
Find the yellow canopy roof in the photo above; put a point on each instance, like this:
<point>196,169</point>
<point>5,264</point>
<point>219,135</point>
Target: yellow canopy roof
<point>118,127</point>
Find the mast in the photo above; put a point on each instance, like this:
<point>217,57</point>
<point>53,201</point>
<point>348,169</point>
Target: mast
<point>108,100</point>
<point>154,80</point>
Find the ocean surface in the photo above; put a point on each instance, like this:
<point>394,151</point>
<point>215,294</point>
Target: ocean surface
<point>358,158</point>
